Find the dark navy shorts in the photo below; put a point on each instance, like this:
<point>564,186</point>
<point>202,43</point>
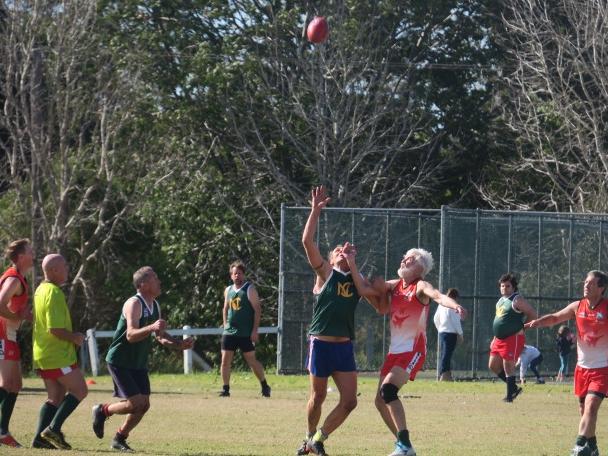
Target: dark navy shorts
<point>129,382</point>
<point>231,343</point>
<point>324,358</point>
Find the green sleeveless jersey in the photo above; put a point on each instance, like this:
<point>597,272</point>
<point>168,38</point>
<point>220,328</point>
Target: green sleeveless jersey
<point>133,355</point>
<point>507,320</point>
<point>239,321</point>
<point>334,309</point>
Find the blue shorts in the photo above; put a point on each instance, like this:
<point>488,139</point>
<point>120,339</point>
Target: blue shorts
<point>129,382</point>
<point>324,358</point>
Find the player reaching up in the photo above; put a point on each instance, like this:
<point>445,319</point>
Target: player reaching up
<point>407,301</point>
<point>330,352</point>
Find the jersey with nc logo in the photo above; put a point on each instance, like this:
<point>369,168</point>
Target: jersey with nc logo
<point>334,308</point>
<point>239,320</point>
<point>592,334</point>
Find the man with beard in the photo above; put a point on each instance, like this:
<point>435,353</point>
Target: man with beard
<point>408,305</point>
<point>591,372</point>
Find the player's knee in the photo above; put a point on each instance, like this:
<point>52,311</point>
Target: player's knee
<point>12,385</point>
<point>349,404</point>
<point>80,393</point>
<point>144,407</point>
<point>388,391</point>
<point>137,405</point>
<point>379,402</point>
<point>317,397</point>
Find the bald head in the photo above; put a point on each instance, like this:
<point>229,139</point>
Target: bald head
<point>55,268</point>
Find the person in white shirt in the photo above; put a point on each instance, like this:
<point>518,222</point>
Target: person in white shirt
<point>530,357</point>
<point>448,325</point>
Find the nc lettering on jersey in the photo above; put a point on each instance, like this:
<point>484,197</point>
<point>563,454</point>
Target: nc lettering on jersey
<point>235,303</point>
<point>344,290</point>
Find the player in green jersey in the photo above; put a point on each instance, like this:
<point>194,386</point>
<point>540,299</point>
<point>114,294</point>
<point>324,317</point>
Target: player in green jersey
<point>241,316</point>
<point>331,333</point>
<point>512,310</point>
<point>127,357</point>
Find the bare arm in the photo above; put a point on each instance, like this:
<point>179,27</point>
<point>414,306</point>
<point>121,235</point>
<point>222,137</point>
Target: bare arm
<point>382,303</point>
<point>167,340</point>
<point>427,290</point>
<point>10,287</point>
<point>524,307</point>
<point>567,313</point>
<point>315,259</point>
<point>132,311</point>
<point>364,288</point>
<point>254,299</point>
<point>225,309</point>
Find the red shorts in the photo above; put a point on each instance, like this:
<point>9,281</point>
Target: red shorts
<point>9,350</point>
<point>54,374</point>
<point>587,380</point>
<point>508,349</point>
<point>412,362</point>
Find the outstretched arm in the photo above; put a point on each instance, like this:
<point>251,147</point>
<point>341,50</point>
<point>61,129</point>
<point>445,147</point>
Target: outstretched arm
<point>319,200</point>
<point>426,289</point>
<point>567,313</point>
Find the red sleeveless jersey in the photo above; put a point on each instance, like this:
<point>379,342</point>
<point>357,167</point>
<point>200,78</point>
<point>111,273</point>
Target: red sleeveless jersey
<point>408,319</point>
<point>592,334</point>
<point>8,328</point>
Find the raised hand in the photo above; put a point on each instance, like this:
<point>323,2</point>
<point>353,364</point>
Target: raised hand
<point>319,198</point>
<point>349,251</point>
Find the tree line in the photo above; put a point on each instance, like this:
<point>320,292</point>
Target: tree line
<point>170,133</point>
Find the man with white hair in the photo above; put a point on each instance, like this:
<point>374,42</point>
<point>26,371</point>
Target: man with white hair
<point>408,306</point>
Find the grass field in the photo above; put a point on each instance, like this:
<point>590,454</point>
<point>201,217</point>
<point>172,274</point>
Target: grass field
<point>187,418</point>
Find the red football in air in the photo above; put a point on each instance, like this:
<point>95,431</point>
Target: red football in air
<point>317,30</point>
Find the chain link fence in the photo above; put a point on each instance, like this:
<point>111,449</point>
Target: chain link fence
<point>551,254</point>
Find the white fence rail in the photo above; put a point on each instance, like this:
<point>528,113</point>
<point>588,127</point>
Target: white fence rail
<point>189,355</point>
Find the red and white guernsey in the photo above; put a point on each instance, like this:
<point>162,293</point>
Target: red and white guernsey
<point>592,334</point>
<point>8,328</point>
<point>408,319</point>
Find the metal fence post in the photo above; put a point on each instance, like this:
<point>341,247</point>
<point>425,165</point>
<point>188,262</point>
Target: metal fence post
<point>93,353</point>
<point>187,353</point>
